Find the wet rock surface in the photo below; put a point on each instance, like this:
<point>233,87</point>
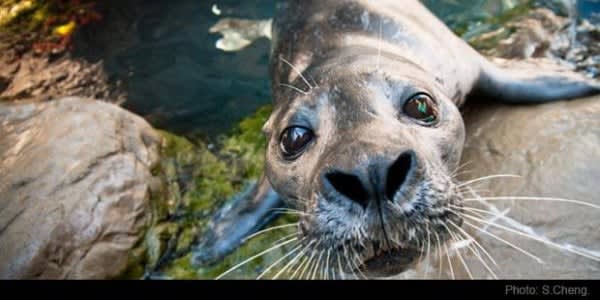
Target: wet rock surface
<point>42,78</point>
<point>76,188</point>
<point>541,33</point>
<point>555,148</point>
<point>37,64</point>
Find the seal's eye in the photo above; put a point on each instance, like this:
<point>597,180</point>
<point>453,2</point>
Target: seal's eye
<point>294,140</point>
<point>421,108</point>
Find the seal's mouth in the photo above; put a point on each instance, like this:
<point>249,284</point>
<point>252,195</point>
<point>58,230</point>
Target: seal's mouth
<point>387,262</point>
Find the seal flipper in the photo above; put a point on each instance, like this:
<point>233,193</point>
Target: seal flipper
<point>531,81</point>
<point>244,215</point>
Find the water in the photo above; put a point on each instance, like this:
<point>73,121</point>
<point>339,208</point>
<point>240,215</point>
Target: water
<point>176,78</point>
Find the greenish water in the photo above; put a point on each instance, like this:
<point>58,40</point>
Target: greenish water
<point>177,80</point>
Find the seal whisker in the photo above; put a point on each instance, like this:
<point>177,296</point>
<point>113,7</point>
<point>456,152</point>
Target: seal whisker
<point>428,249</point>
<point>322,269</point>
<point>440,260</point>
<point>529,230</point>
<point>348,260</point>
<point>460,257</point>
<point>313,252</point>
<point>268,230</point>
<point>280,260</point>
<point>318,264</point>
<point>535,238</point>
<point>467,235</point>
<point>449,262</point>
<point>475,251</point>
<point>311,274</point>
<point>341,272</point>
<point>307,268</point>
<point>326,275</point>
<point>256,256</point>
<point>314,264</point>
<point>294,88</point>
<point>302,261</point>
<point>299,255</point>
<point>355,256</point>
<point>537,259</point>
<point>487,178</point>
<point>421,245</point>
<point>379,43</point>
<point>299,267</point>
<point>297,71</point>
<point>312,267</point>
<point>458,209</point>
<point>288,210</point>
<point>463,165</point>
<point>467,189</point>
<point>527,198</point>
<point>353,261</point>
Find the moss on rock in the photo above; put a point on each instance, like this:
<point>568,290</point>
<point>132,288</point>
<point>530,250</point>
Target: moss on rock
<point>471,27</point>
<point>198,180</point>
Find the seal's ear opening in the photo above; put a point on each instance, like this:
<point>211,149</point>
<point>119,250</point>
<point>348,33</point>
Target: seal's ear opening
<point>531,81</point>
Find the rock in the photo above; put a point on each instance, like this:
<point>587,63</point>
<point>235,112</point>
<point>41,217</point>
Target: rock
<point>542,34</point>
<point>37,78</point>
<point>555,147</point>
<point>530,35</point>
<point>76,188</point>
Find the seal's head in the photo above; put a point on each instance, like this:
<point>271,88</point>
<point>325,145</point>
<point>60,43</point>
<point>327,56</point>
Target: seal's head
<point>367,155</point>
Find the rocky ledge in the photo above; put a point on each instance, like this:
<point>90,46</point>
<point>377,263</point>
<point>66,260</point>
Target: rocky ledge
<point>76,188</point>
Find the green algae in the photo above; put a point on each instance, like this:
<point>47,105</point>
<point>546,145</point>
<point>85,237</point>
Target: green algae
<point>217,176</point>
<point>470,26</point>
<point>198,180</point>
<point>182,268</point>
<point>497,28</point>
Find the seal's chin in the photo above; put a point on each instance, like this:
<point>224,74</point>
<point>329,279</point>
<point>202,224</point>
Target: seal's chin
<point>390,262</point>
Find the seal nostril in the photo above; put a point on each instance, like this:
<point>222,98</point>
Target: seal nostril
<point>349,186</point>
<point>398,173</point>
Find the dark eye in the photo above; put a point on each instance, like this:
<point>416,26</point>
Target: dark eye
<point>294,140</point>
<point>421,108</point>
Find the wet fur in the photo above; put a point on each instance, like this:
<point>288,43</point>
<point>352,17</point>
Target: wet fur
<point>344,69</point>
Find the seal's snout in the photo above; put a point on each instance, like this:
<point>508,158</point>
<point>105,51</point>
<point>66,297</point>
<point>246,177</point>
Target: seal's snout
<point>380,180</point>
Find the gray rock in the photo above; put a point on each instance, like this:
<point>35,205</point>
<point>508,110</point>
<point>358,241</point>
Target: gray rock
<point>555,147</point>
<point>75,188</point>
<point>30,77</point>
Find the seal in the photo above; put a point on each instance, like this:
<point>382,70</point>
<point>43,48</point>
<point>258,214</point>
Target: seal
<point>366,132</point>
